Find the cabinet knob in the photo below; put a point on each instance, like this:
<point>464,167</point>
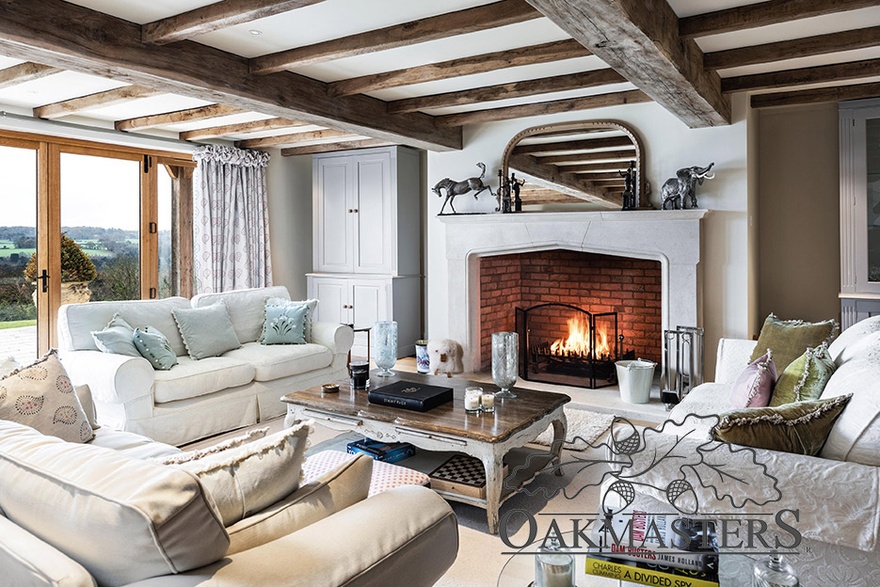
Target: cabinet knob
<point>355,210</point>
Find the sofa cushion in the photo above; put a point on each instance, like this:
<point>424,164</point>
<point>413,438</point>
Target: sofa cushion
<point>851,335</point>
<point>192,378</point>
<point>253,476</point>
<point>788,339</point>
<point>805,378</point>
<point>285,304</point>
<point>154,347</point>
<point>856,434</point>
<point>285,323</point>
<point>41,395</point>
<point>132,445</point>
<point>206,332</point>
<point>246,308</point>
<point>194,455</point>
<point>123,519</point>
<point>277,361</point>
<point>116,337</point>
<point>753,387</point>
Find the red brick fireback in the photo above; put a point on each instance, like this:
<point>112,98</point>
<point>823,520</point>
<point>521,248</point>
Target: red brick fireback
<point>596,283</point>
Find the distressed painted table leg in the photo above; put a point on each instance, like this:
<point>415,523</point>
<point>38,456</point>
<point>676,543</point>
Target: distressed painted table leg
<point>559,428</point>
<point>494,465</point>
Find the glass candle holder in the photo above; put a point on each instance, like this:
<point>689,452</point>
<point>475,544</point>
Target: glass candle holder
<point>505,363</point>
<point>385,335</point>
<point>360,374</point>
<point>487,402</point>
<point>472,397</point>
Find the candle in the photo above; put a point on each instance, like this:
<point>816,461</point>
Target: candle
<point>472,399</point>
<point>487,401</point>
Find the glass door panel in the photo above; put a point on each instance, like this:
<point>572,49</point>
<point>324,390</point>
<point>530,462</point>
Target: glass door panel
<point>18,251</point>
<point>872,160</point>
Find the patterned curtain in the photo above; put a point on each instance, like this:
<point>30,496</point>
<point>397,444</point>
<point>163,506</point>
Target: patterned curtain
<point>230,219</point>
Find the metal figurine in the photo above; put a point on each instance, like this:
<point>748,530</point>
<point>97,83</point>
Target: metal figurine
<point>503,194</point>
<point>516,184</point>
<point>457,188</point>
<point>629,192</point>
<point>679,191</point>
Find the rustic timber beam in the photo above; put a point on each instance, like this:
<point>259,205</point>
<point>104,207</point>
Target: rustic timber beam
<point>25,72</point>
<point>329,147</point>
<point>239,128</point>
<point>640,40</point>
<point>572,158</point>
<point>471,20</point>
<point>92,101</point>
<point>817,95</point>
<point>535,54</point>
<point>579,145</point>
<point>559,83</point>
<point>594,175</point>
<point>807,75</point>
<point>188,115</point>
<point>64,35</point>
<point>293,139</point>
<point>762,14</point>
<point>805,47</point>
<point>539,108</point>
<point>225,13</point>
<point>591,191</point>
<point>594,168</point>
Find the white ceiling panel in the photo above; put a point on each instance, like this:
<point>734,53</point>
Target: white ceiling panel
<point>142,12</point>
<point>219,121</point>
<point>6,62</point>
<point>55,88</point>
<point>684,8</point>
<point>842,57</point>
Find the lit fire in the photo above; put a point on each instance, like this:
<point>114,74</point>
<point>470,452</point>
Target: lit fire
<point>578,341</point>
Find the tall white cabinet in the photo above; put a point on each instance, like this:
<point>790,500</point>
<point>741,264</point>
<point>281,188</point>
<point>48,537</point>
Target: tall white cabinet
<point>367,241</point>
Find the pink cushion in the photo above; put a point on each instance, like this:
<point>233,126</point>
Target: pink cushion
<point>385,476</point>
<point>754,386</point>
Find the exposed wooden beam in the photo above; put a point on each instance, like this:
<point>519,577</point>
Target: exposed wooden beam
<point>559,83</point>
<point>534,54</point>
<point>239,128</point>
<point>442,26</point>
<point>328,147</point>
<point>640,40</point>
<point>540,108</point>
<point>805,47</point>
<point>92,101</point>
<point>594,175</point>
<point>24,72</point>
<point>62,34</point>
<point>225,13</point>
<point>293,139</point>
<point>763,14</point>
<point>188,115</point>
<point>578,145</point>
<point>591,191</point>
<point>807,75</point>
<point>593,167</point>
<point>817,95</point>
<point>621,155</point>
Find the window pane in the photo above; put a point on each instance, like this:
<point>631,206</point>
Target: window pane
<point>167,281</point>
<point>873,199</point>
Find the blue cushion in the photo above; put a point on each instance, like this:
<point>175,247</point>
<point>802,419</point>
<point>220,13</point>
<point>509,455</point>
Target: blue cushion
<point>310,304</point>
<point>154,347</point>
<point>285,324</point>
<point>116,338</point>
<point>206,332</point>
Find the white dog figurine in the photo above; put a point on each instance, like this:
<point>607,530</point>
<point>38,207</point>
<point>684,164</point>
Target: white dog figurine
<point>444,355</point>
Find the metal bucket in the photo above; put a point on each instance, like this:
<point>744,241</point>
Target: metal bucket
<point>635,379</point>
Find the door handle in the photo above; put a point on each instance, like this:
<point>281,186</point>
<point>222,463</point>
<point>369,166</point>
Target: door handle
<point>44,277</point>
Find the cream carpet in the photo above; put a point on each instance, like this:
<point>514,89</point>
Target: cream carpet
<point>584,428</point>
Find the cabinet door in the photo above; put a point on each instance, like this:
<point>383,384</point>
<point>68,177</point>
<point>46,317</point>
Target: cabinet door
<point>334,206</point>
<point>374,230</point>
<point>333,297</point>
<point>369,301</point>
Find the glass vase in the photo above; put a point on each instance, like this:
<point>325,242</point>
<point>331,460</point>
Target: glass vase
<point>505,364</point>
<point>385,335</point>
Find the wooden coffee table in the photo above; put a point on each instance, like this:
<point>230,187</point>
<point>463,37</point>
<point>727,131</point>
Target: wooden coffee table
<point>488,437</point>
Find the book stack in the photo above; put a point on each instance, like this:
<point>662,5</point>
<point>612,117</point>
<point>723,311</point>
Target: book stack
<point>420,397</point>
<point>655,549</point>
<point>387,452</point>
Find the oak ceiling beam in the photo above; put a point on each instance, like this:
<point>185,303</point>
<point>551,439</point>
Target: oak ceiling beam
<point>805,47</point>
<point>762,14</point>
<point>577,145</point>
<point>541,108</point>
<point>594,167</point>
<point>817,95</point>
<point>807,75</point>
<point>25,72</point>
<point>212,17</point>
<point>591,191</point>
<point>534,54</point>
<point>188,115</point>
<point>442,26</point>
<point>330,147</point>
<point>64,35</point>
<point>239,128</point>
<point>559,83</point>
<point>93,101</point>
<point>640,40</point>
<point>293,139</point>
<point>618,155</point>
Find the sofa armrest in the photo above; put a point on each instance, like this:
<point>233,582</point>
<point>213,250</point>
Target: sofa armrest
<point>27,560</point>
<point>404,536</point>
<point>336,337</point>
<point>112,378</point>
<point>733,356</point>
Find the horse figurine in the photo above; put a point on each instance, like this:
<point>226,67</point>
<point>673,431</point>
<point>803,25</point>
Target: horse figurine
<point>457,188</point>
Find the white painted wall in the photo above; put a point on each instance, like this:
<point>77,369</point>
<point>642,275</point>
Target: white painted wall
<point>290,220</point>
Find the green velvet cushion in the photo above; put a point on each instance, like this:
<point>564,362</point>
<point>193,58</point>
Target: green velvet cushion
<point>799,428</point>
<point>788,339</point>
<point>206,332</point>
<point>805,378</point>
<point>154,347</point>
<point>285,324</point>
<point>116,338</point>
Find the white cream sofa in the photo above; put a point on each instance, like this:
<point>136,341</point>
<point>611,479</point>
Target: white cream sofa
<point>837,492</point>
<point>102,514</point>
<point>196,399</point>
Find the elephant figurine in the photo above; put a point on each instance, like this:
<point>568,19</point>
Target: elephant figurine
<point>679,192</point>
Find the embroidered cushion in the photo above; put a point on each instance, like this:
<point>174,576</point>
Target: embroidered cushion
<point>310,304</point>
<point>206,332</point>
<point>41,396</point>
<point>285,324</point>
<point>116,338</point>
<point>154,347</point>
<point>799,428</point>
<point>754,386</point>
<point>788,339</point>
<point>805,378</point>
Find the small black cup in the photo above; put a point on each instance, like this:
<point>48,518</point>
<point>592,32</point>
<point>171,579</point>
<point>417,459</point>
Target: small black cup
<point>360,374</point>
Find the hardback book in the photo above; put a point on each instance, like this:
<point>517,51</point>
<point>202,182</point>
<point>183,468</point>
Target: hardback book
<point>419,397</point>
<point>645,573</point>
<point>462,475</point>
<point>388,452</point>
<point>637,535</point>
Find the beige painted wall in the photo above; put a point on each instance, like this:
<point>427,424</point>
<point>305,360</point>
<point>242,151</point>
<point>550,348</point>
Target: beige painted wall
<point>798,213</point>
<point>290,220</point>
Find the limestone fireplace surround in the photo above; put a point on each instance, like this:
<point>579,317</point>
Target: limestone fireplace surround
<point>672,237</point>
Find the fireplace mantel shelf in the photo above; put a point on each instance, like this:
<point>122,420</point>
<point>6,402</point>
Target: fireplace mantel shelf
<point>599,215</point>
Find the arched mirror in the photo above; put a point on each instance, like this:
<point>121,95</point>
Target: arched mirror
<point>590,163</point>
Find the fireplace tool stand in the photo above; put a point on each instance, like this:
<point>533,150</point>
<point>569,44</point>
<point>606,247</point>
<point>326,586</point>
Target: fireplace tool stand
<point>683,363</point>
